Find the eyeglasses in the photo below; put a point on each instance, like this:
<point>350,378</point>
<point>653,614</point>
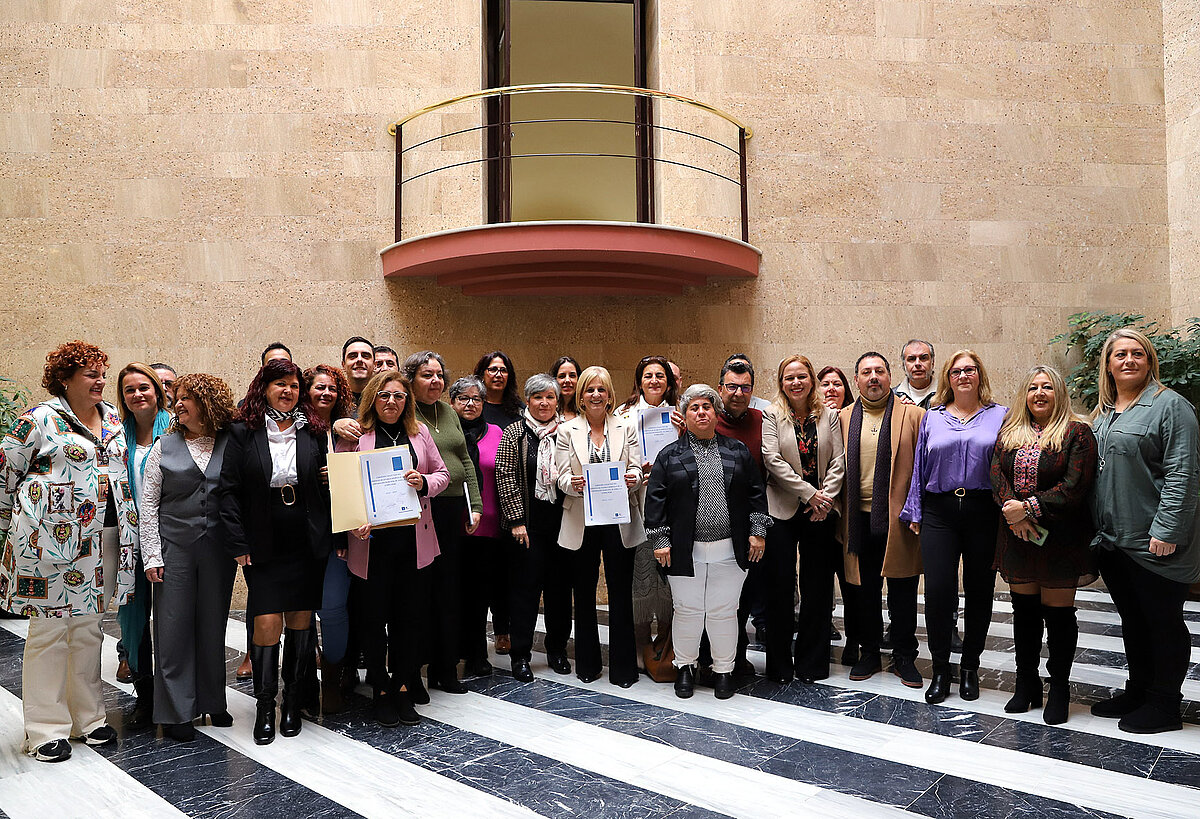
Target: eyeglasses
<point>497,370</point>
<point>744,389</point>
<point>398,397</point>
<point>469,399</point>
<point>964,372</point>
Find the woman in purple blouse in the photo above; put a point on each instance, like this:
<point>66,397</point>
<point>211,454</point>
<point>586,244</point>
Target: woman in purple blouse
<point>950,506</point>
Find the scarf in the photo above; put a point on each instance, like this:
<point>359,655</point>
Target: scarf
<point>879,483</point>
<point>474,431</point>
<point>296,415</point>
<point>547,475</point>
<point>162,420</point>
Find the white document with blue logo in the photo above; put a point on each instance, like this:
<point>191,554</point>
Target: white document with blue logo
<point>389,497</point>
<point>605,495</point>
<point>655,431</point>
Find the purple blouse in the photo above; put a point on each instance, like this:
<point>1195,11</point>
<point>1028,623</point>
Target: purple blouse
<point>952,455</point>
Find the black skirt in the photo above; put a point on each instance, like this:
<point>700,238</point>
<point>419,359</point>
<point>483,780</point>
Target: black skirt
<point>293,581</point>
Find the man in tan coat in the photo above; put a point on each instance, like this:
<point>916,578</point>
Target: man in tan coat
<point>880,432</point>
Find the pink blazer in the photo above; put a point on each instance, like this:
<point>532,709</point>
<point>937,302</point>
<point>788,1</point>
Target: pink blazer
<point>437,478</point>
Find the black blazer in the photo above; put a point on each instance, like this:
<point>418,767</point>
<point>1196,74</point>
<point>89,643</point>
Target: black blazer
<point>673,495</point>
<point>244,495</point>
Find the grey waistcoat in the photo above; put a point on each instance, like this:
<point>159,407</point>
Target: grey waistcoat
<point>187,512</point>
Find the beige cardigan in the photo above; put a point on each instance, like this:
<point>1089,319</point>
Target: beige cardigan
<point>571,453</point>
<point>786,490</point>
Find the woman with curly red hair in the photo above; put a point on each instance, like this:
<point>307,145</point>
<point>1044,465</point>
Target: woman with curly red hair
<point>69,520</point>
<point>182,551</point>
<point>274,507</point>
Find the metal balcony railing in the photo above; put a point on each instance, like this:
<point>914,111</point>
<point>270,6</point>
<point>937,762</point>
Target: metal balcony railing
<point>464,161</point>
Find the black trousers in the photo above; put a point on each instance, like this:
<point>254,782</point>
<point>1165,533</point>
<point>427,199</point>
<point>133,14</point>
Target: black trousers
<point>605,542</point>
<point>901,599</point>
<point>484,585</point>
<point>819,554</point>
<point>850,629</point>
<point>393,608</point>
<point>445,624</point>
<point>1157,642</point>
<point>958,528</point>
<point>540,571</point>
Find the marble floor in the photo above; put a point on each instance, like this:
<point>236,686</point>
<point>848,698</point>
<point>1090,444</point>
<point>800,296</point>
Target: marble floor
<point>559,747</point>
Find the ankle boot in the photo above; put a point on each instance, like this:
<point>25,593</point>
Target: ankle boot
<point>1027,634</point>
<point>332,701</point>
<point>297,657</point>
<point>1062,635</point>
<point>143,710</point>
<point>264,661</point>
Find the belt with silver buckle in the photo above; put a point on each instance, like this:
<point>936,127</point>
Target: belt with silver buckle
<point>287,494</point>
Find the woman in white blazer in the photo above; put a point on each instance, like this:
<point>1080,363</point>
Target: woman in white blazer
<point>805,459</point>
<point>598,436</point>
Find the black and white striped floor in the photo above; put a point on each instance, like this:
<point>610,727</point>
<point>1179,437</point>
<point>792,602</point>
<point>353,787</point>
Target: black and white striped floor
<point>558,747</point>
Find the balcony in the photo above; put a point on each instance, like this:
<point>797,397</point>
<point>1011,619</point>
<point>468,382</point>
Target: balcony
<point>571,189</point>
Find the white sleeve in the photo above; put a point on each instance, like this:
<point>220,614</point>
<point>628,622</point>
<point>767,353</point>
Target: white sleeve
<point>151,545</point>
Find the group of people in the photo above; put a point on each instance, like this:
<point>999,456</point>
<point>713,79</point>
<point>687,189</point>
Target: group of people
<point>154,503</point>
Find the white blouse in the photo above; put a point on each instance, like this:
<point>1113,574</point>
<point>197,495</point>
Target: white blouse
<point>282,444</point>
<point>201,450</point>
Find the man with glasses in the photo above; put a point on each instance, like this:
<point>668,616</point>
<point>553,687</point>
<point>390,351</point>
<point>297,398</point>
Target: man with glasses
<point>166,374</point>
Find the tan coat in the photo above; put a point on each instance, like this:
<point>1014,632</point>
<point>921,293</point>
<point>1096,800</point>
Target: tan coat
<point>571,453</point>
<point>902,558</point>
<point>786,490</point>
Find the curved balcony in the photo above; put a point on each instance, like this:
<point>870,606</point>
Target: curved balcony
<point>571,189</point>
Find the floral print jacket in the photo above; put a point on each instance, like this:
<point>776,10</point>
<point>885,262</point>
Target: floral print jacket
<point>56,480</point>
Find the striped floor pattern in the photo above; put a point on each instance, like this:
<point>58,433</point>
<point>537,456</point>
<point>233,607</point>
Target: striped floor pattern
<point>559,747</point>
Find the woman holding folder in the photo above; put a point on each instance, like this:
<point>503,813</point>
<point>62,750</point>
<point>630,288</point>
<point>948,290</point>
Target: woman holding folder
<point>598,436</point>
<point>392,563</point>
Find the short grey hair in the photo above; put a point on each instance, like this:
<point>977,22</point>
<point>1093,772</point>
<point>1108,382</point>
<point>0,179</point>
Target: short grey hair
<point>541,382</point>
<point>697,391</point>
<point>467,382</point>
<point>417,360</point>
<point>911,342</point>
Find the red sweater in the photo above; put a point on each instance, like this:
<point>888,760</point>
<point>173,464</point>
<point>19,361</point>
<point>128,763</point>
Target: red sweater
<point>748,430</point>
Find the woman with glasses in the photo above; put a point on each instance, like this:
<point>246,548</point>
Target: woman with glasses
<point>393,564</point>
<point>950,506</point>
<point>484,552</point>
<point>502,404</point>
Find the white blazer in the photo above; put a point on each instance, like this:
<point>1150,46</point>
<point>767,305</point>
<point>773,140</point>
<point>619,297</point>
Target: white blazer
<point>786,490</point>
<point>571,453</point>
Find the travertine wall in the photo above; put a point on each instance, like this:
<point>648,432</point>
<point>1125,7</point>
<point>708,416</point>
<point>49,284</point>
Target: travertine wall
<point>1181,69</point>
<point>187,180</point>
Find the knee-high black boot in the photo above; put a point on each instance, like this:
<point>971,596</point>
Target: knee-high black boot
<point>265,662</point>
<point>297,658</point>
<point>1027,634</point>
<point>1062,635</point>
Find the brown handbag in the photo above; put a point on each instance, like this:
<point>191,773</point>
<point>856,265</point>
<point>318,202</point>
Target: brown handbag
<point>657,657</point>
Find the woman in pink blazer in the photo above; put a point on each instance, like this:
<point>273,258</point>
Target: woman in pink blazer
<point>390,564</point>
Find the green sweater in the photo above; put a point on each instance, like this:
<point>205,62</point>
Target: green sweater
<point>442,422</point>
<point>1148,483</point>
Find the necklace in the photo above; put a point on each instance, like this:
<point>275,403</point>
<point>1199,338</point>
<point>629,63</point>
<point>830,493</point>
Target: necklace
<point>425,418</point>
<point>395,439</point>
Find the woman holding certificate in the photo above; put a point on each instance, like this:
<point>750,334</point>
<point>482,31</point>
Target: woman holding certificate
<point>706,515</point>
<point>598,471</point>
<point>275,512</point>
<point>392,562</point>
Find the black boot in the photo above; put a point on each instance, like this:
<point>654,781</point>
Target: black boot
<point>1027,634</point>
<point>1062,635</point>
<point>265,662</point>
<point>297,657</point>
<point>142,713</point>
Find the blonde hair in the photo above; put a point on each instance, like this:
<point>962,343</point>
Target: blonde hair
<point>815,404</point>
<point>368,418</point>
<point>586,377</point>
<point>1017,430</point>
<point>1108,388</point>
<point>160,394</point>
<point>945,391</point>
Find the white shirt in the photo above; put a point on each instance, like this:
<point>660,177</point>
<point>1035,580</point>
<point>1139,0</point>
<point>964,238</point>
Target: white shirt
<point>140,454</point>
<point>201,450</point>
<point>282,444</point>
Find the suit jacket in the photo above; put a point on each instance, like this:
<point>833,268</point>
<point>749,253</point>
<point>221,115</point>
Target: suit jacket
<point>786,490</point>
<point>437,478</point>
<point>570,455</point>
<point>244,494</point>
<point>673,495</point>
<point>902,557</point>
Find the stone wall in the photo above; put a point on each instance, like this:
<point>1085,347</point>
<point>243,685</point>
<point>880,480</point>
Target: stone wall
<point>1181,70</point>
<point>187,180</point>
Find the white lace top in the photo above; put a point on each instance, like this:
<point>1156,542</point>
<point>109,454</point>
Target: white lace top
<point>201,450</point>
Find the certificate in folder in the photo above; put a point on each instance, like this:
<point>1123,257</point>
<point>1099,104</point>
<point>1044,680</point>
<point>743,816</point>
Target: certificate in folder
<point>369,487</point>
<point>606,496</point>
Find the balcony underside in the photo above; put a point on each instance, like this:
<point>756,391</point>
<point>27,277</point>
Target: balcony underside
<point>571,258</point>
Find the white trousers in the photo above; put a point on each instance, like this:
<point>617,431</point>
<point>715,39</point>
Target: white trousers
<point>61,692</point>
<point>707,601</point>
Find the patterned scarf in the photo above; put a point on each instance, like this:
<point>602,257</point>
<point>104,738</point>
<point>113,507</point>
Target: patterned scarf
<point>296,415</point>
<point>547,475</point>
<point>880,480</point>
